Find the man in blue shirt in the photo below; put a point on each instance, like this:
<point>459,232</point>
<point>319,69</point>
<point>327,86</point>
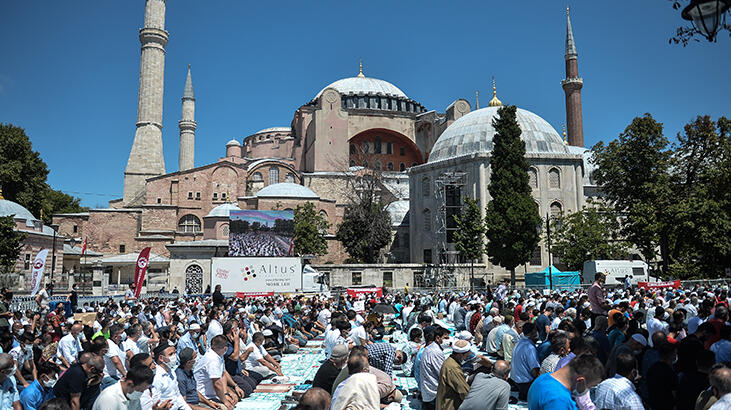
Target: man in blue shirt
<point>9,398</point>
<point>41,390</point>
<point>190,338</point>
<point>526,366</point>
<point>554,390</point>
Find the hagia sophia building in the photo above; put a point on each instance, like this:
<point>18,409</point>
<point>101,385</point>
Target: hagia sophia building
<point>429,161</point>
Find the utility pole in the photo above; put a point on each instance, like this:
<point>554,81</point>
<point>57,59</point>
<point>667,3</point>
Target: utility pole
<point>548,239</point>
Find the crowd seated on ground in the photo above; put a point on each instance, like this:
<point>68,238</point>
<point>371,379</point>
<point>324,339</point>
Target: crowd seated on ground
<point>596,348</point>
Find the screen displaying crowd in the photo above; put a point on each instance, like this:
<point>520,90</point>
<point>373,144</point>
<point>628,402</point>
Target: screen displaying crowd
<point>498,348</point>
<point>261,233</point>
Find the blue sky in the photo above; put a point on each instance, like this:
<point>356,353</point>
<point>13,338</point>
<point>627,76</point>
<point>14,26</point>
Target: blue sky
<point>69,73</point>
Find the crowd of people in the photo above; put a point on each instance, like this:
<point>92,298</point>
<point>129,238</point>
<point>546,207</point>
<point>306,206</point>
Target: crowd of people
<point>252,243</point>
<point>623,348</point>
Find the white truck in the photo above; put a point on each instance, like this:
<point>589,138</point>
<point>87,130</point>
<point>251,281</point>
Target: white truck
<point>616,270</point>
<point>262,275</point>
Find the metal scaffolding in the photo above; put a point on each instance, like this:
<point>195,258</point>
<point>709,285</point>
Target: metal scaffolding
<point>448,194</point>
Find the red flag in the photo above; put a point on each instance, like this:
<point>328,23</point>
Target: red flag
<point>140,269</point>
<point>83,248</point>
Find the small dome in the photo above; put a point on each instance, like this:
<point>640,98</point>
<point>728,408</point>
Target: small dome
<point>474,132</point>
<point>399,212</point>
<point>8,208</point>
<point>286,190</point>
<point>233,142</point>
<point>365,85</point>
<point>223,210</point>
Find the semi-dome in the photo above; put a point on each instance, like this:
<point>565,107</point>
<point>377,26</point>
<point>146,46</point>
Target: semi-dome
<point>364,85</point>
<point>286,190</point>
<point>473,133</point>
<point>223,210</point>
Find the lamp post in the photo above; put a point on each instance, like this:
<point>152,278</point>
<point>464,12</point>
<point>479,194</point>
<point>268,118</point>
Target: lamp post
<point>548,239</point>
<point>53,254</point>
<point>707,16</point>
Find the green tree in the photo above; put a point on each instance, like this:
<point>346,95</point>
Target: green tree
<point>366,226</point>
<point>512,216</point>
<point>23,177</point>
<point>589,234</point>
<point>11,243</point>
<point>469,237</point>
<point>633,174</point>
<point>309,231</point>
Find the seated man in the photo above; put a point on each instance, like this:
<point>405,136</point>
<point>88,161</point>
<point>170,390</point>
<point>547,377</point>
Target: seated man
<point>328,372</point>
<point>187,385</point>
<point>126,393</point>
<point>211,376</point>
<point>41,390</point>
<point>314,399</point>
<point>489,391</point>
<point>232,358</point>
<point>165,382</point>
<point>259,360</point>
<point>79,385</point>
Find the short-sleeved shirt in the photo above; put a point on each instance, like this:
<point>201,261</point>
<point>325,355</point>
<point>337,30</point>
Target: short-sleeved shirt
<point>114,351</point>
<point>548,393</point>
<point>326,375</point>
<point>8,393</point>
<point>209,366</point>
<point>257,354</point>
<point>525,359</point>
<point>69,347</point>
<point>74,381</point>
<point>45,299</point>
<point>34,395</point>
<point>187,385</point>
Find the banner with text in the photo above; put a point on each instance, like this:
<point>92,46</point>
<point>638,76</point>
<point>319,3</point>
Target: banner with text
<point>140,269</point>
<point>353,292</point>
<point>37,274</point>
<point>674,284</point>
<point>255,275</point>
<point>242,295</point>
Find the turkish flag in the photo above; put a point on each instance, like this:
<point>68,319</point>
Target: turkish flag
<point>140,269</point>
<point>83,248</point>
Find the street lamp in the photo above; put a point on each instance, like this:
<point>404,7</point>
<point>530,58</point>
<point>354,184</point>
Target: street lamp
<point>53,255</point>
<point>707,16</point>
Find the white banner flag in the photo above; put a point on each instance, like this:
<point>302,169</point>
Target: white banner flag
<point>37,276</point>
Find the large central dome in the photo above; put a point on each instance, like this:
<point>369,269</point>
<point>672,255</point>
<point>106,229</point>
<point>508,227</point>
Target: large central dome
<point>473,133</point>
<point>364,85</point>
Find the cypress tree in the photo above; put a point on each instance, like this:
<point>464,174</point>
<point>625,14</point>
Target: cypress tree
<point>512,218</point>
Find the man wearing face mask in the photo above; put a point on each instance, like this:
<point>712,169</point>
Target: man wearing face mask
<point>70,345</point>
<point>115,358</point>
<point>554,390</point>
<point>187,385</point>
<point>165,382</point>
<point>23,356</point>
<point>8,391</point>
<point>126,393</point>
<point>619,391</point>
<point>453,387</point>
<point>211,376</point>
<point>41,390</point>
<point>190,338</point>
<point>431,362</point>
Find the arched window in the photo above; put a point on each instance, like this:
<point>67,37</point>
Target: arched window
<point>377,145</point>
<point>352,149</point>
<point>427,220</point>
<point>402,167</point>
<point>289,177</point>
<point>556,209</point>
<point>257,177</point>
<point>273,175</point>
<point>533,178</point>
<point>189,224</point>
<point>425,186</point>
<point>390,166</point>
<point>224,231</point>
<point>194,279</point>
<point>554,178</point>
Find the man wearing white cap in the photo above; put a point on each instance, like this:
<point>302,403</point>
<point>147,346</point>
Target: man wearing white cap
<point>190,338</point>
<point>453,387</point>
<point>633,346</point>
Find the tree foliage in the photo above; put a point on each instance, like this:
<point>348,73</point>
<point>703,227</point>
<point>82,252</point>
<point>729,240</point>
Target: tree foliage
<point>23,176</point>
<point>309,231</point>
<point>469,237</point>
<point>673,198</point>
<point>11,243</point>
<point>589,234</point>
<point>512,216</point>
<point>366,226</point>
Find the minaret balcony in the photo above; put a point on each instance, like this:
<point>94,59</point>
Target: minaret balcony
<point>571,83</point>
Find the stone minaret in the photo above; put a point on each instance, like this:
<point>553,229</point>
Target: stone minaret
<point>146,158</point>
<point>187,126</point>
<point>572,87</point>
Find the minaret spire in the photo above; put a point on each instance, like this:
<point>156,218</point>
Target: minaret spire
<point>572,85</point>
<point>477,99</point>
<point>187,126</point>
<point>146,158</point>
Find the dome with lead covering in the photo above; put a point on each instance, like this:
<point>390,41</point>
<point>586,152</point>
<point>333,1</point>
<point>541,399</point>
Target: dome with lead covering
<point>8,208</point>
<point>223,210</point>
<point>286,190</point>
<point>473,133</point>
<point>364,85</point>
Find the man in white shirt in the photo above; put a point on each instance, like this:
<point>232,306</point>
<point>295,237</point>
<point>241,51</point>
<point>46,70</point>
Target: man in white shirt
<point>656,324</point>
<point>166,383</point>
<point>211,377</point>
<point>130,346</point>
<point>115,359</point>
<point>125,394</point>
<point>259,361</point>
<point>214,327</point>
<point>70,345</point>
<point>324,316</point>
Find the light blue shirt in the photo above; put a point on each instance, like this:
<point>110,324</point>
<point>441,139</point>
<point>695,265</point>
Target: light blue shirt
<point>187,341</point>
<point>8,393</point>
<point>525,359</point>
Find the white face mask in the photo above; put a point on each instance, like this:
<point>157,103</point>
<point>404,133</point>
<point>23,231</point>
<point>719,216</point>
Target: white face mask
<point>446,343</point>
<point>50,383</point>
<point>173,362</point>
<point>134,395</point>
